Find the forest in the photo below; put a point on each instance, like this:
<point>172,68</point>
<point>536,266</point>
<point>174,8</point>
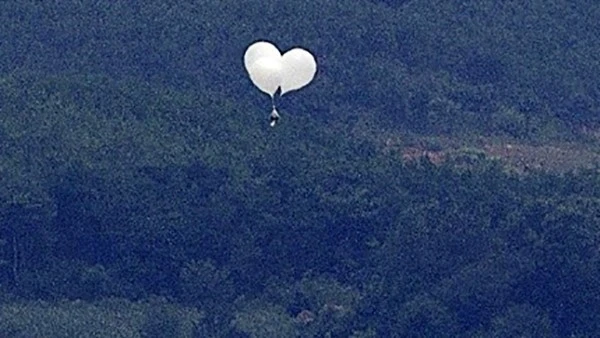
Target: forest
<point>143,193</point>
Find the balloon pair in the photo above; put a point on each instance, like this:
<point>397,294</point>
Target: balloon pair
<point>270,71</point>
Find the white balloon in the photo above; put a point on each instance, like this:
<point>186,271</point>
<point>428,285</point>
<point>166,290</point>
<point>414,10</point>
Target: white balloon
<point>266,74</point>
<point>258,50</point>
<point>269,70</point>
<point>299,69</point>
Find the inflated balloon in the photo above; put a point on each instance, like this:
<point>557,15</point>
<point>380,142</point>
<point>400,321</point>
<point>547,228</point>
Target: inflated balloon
<point>299,68</point>
<point>296,68</point>
<point>266,74</point>
<point>258,50</point>
<point>271,71</point>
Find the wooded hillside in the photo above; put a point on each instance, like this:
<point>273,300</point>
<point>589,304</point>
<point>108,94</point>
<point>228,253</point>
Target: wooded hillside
<point>143,189</point>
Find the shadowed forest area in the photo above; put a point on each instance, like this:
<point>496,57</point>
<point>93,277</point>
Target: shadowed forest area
<point>439,178</point>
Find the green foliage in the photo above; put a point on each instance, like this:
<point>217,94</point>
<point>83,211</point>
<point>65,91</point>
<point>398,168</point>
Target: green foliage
<point>520,321</point>
<point>426,317</point>
<point>163,319</point>
<point>511,122</point>
<point>109,318</point>
<point>207,286</point>
<point>260,320</point>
